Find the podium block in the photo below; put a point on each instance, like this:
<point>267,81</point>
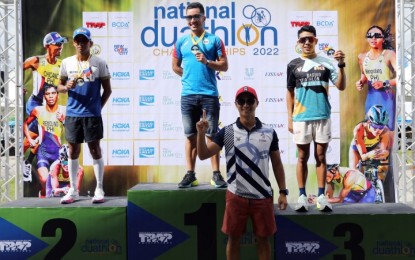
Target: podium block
<point>34,228</point>
<point>165,222</point>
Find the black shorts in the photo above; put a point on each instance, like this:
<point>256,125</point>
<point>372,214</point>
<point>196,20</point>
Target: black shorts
<point>83,129</point>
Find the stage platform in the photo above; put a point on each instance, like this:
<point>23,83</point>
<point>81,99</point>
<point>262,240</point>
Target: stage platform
<point>161,221</point>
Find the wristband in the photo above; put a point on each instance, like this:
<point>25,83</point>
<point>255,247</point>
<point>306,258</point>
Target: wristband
<point>285,192</point>
<point>207,62</point>
<point>341,64</point>
<point>386,84</point>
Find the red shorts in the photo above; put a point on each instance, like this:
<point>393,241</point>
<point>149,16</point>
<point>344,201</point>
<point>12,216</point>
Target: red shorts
<point>237,211</point>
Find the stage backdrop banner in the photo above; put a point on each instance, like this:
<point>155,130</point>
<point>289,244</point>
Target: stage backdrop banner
<point>144,140</point>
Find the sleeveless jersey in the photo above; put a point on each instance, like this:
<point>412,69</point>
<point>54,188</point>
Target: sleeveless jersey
<point>378,70</point>
<point>49,121</point>
<point>45,73</point>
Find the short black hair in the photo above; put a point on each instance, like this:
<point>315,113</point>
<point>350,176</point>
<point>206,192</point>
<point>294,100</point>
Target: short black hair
<point>196,5</point>
<point>47,86</point>
<point>307,28</point>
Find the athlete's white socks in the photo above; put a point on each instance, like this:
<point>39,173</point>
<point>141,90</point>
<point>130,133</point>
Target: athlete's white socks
<point>99,171</point>
<point>73,166</point>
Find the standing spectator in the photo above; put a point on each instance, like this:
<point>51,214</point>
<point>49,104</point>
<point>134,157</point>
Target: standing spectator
<point>82,76</point>
<point>249,145</point>
<point>309,110</point>
<point>196,57</point>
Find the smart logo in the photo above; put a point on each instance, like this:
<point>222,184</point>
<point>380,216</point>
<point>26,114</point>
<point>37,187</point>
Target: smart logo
<point>146,74</point>
<point>121,127</point>
<point>254,29</point>
<point>146,152</point>
<point>146,126</point>
<point>147,100</point>
<point>120,101</point>
<point>120,49</point>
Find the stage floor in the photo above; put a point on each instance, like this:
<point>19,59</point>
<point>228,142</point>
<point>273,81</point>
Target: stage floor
<point>55,202</point>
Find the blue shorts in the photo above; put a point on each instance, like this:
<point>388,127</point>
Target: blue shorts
<point>48,151</point>
<point>192,107</point>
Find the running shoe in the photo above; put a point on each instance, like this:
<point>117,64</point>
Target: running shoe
<point>323,204</point>
<point>70,197</point>
<point>189,180</point>
<point>98,196</point>
<point>217,180</point>
<point>27,172</point>
<point>302,205</point>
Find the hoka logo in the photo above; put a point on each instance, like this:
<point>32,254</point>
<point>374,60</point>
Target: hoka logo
<point>302,247</point>
<point>121,100</point>
<point>121,75</point>
<point>121,152</point>
<point>155,237</point>
<point>121,127</point>
<point>14,246</point>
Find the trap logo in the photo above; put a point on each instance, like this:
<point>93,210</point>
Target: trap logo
<point>155,237</point>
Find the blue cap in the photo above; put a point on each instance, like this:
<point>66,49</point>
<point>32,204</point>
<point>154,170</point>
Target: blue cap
<point>82,31</point>
<point>52,38</point>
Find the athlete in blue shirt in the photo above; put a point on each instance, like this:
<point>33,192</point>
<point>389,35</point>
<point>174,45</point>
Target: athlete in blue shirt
<point>196,58</point>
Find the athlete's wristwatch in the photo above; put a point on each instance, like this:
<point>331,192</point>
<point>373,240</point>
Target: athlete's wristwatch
<point>386,84</point>
<point>341,64</point>
<point>207,62</point>
<point>285,192</point>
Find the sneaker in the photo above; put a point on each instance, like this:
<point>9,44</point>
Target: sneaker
<point>27,172</point>
<point>189,180</point>
<point>323,204</point>
<point>70,197</point>
<point>98,196</point>
<point>302,205</point>
<point>217,180</point>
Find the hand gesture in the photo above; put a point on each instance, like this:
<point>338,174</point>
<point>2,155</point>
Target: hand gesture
<point>200,57</point>
<point>339,56</point>
<point>359,85</point>
<point>203,124</point>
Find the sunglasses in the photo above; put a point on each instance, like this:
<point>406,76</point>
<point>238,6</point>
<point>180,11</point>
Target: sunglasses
<point>376,35</point>
<point>59,44</point>
<point>196,17</point>
<point>376,126</point>
<point>310,39</point>
<point>248,101</point>
<point>64,163</point>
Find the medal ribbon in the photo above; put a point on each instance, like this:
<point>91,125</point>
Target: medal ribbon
<point>200,38</point>
<point>81,68</point>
